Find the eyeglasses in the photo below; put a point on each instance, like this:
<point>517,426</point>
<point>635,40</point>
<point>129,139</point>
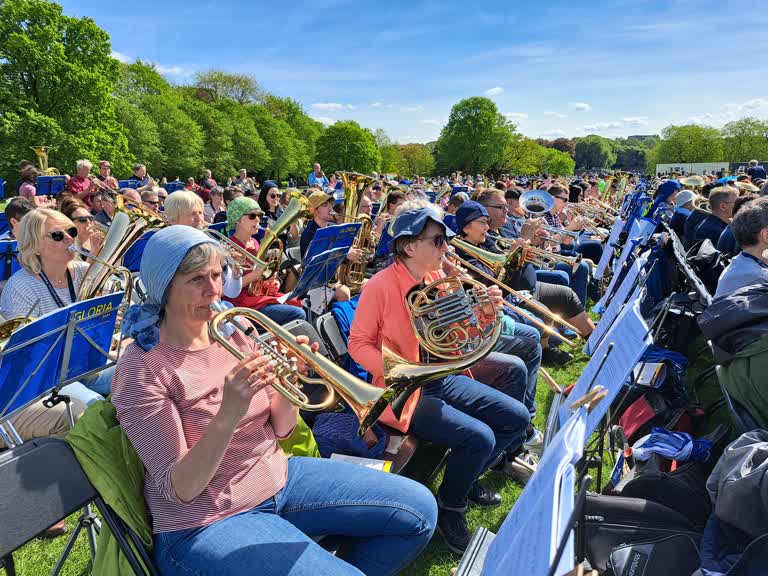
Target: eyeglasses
<point>274,195</point>
<point>563,198</point>
<point>161,198</point>
<point>154,202</point>
<point>438,240</point>
<point>84,219</point>
<point>253,215</point>
<point>502,207</point>
<point>58,235</point>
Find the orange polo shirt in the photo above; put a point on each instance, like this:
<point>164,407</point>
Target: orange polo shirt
<point>382,317</point>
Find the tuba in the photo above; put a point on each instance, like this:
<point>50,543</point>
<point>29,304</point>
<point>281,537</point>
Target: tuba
<point>42,161</point>
<point>537,202</point>
<point>271,248</point>
<point>352,274</point>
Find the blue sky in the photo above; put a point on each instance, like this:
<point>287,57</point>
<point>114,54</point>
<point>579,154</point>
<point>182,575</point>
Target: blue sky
<point>555,68</point>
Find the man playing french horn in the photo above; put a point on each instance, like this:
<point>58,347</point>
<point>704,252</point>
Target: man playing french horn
<point>478,422</point>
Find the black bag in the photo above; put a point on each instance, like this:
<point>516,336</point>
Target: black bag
<point>615,521</point>
<point>683,488</point>
<point>708,263</point>
<point>676,555</point>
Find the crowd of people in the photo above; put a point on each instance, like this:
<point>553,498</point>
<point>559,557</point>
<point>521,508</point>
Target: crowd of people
<point>206,426</point>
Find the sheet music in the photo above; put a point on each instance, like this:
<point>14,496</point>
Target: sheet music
<point>565,509</point>
<point>528,538</point>
<point>632,240</point>
<point>644,230</point>
<point>631,338</point>
<point>605,258</point>
<point>614,306</point>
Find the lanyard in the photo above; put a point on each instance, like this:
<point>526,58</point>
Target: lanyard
<point>52,290</point>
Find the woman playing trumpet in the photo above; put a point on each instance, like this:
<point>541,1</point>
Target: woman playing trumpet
<point>89,236</point>
<point>221,493</point>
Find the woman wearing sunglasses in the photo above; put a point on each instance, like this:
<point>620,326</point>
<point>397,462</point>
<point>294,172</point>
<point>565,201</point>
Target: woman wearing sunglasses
<point>243,217</point>
<point>88,237</point>
<point>50,278</point>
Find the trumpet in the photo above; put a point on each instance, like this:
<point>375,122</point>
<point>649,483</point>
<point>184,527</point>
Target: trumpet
<point>517,258</point>
<point>545,328</point>
<point>561,232</point>
<point>242,261</point>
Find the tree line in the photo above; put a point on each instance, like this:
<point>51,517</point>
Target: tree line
<point>60,86</point>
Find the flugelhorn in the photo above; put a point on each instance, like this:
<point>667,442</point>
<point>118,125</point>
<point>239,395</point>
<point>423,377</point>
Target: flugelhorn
<point>506,263</point>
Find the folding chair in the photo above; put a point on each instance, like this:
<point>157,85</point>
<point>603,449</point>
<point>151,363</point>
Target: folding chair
<point>329,331</point>
<point>43,483</point>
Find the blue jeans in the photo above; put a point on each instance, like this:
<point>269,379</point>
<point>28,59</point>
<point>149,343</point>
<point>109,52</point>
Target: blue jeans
<point>101,382</point>
<point>475,421</point>
<point>388,520</point>
<point>591,250</point>
<point>283,313</point>
<point>494,370</point>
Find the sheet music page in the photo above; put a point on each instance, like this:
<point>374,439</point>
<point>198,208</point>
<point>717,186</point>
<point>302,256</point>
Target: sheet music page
<point>567,497</point>
<point>635,233</point>
<point>605,257</point>
<point>525,541</point>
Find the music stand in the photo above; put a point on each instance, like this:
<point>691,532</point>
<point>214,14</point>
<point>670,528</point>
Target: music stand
<point>10,263</point>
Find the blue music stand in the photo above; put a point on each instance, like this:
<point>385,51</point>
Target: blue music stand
<point>9,258</point>
<point>2,188</point>
<point>219,227</point>
<point>128,184</point>
<point>132,257</point>
<point>174,186</point>
<point>5,226</point>
<point>50,185</point>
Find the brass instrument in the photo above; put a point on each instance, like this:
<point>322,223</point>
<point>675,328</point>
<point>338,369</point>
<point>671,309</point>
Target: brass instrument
<point>241,260</point>
<point>271,248</point>
<point>124,272</point>
<point>518,257</point>
<point>746,186</point>
<point>607,188</point>
<point>574,234</point>
<point>601,205</point>
<point>537,202</point>
<point>702,204</point>
<point>42,161</point>
<point>352,274</point>
<point>694,181</point>
<point>546,329</point>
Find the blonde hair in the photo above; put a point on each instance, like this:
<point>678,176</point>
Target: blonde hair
<point>179,203</point>
<point>31,233</point>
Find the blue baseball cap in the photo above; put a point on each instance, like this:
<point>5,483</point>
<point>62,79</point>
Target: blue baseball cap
<point>468,212</point>
<point>412,223</point>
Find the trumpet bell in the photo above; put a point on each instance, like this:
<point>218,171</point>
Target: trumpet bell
<point>537,202</point>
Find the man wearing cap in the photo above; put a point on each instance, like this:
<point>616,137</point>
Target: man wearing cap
<point>476,421</point>
<point>683,208</point>
<point>105,176</point>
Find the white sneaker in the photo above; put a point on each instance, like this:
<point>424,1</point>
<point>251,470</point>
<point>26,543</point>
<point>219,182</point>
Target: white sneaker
<point>521,468</point>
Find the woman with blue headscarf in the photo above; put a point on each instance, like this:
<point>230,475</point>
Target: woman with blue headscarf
<point>222,495</point>
<point>663,206</point>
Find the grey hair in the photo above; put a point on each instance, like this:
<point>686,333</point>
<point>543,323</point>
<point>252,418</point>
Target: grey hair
<point>83,163</point>
<point>749,221</point>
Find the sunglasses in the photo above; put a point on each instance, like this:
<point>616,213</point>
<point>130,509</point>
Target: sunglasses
<point>438,240</point>
<point>58,235</point>
<point>84,219</point>
<point>563,198</point>
<point>253,215</point>
<point>274,195</point>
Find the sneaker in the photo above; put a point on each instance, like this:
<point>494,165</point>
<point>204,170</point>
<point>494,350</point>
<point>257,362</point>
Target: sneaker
<point>535,443</point>
<point>555,356</point>
<point>521,467</point>
<point>483,497</point>
<point>452,526</point>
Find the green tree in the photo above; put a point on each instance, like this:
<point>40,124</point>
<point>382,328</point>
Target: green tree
<point>745,139</point>
<point>392,161</point>
<point>594,152</point>
<point>218,136</point>
<point>238,87</point>
<point>56,75</point>
<point>553,161</point>
<point>306,129</point>
<point>418,160</point>
<point>250,151</point>
<point>181,139</point>
<point>347,146</point>
<point>475,137</point>
<point>522,156</point>
<point>630,158</point>
<point>279,138</point>
<point>689,143</point>
<point>140,79</point>
<point>143,135</point>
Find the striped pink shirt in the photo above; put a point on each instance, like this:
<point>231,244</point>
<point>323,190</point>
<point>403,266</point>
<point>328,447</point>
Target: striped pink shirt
<point>165,399</point>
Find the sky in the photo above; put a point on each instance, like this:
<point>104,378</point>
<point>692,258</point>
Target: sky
<point>554,68</point>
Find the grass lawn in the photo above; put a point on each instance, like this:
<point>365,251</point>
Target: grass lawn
<point>39,556</point>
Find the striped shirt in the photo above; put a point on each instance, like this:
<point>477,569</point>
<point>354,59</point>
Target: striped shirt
<point>165,400</point>
<point>26,294</point>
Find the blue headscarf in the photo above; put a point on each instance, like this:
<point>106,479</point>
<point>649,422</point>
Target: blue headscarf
<point>665,191</point>
<point>162,256</point>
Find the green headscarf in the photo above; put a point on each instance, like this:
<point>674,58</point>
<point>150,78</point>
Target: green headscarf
<point>238,208</point>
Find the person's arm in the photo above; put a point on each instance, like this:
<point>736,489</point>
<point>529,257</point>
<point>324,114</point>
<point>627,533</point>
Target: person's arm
<point>364,336</point>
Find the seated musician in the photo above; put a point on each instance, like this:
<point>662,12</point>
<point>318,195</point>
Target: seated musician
<point>15,209</point>
<point>696,217</point>
<point>478,422</point>
<point>750,266</point>
<point>106,202</point>
<point>88,238</point>
<point>105,177</point>
<point>727,242</point>
<point>223,496</point>
<point>721,202</point>
<point>662,208</point>
<point>230,193</point>
<point>243,217</point>
<point>214,206</point>
<point>50,278</point>
<point>683,208</point>
<point>185,207</point>
<point>395,198</point>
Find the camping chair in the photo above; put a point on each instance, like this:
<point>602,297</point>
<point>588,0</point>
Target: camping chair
<point>741,417</point>
<point>43,483</point>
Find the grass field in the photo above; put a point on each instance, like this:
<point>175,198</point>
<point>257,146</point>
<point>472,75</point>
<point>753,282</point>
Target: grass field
<point>39,556</point>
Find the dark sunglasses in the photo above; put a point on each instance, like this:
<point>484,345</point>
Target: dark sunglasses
<point>274,195</point>
<point>438,240</point>
<point>58,235</point>
<point>84,219</point>
<point>563,198</point>
<point>253,216</point>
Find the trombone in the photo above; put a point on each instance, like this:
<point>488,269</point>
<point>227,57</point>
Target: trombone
<point>546,329</point>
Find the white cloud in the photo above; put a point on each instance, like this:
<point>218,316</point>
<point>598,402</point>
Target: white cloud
<point>431,122</point>
<point>324,119</point>
<point>173,70</point>
<point>327,106</point>
<point>635,121</point>
<point>552,114</point>
<point>516,116</point>
<point>754,104</point>
<point>121,57</point>
<point>603,126</point>
<point>418,108</point>
<point>495,91</point>
<point>579,106</point>
<point>754,107</point>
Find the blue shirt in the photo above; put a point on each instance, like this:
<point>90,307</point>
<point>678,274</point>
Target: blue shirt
<point>727,242</point>
<point>312,179</point>
<point>512,227</point>
<point>691,223</point>
<point>744,270</point>
<point>710,229</point>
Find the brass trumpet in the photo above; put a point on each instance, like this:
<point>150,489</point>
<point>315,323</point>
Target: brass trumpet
<point>243,261</point>
<point>517,258</point>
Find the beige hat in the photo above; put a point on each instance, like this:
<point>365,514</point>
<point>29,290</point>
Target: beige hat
<point>317,199</point>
